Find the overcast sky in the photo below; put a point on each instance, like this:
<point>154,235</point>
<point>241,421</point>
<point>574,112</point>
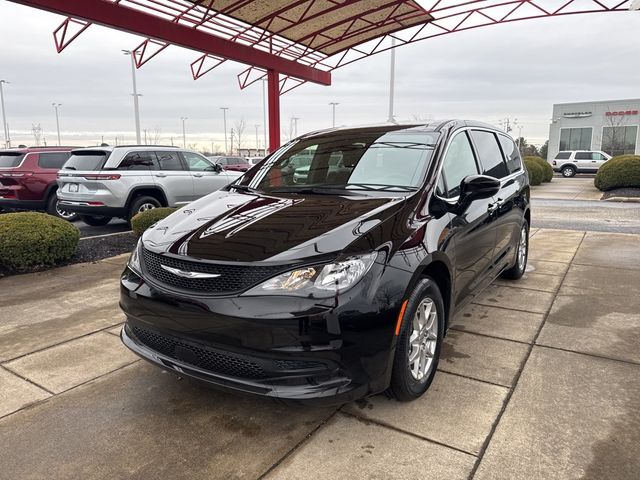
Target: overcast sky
<point>516,70</point>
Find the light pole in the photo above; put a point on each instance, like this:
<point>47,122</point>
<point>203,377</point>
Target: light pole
<point>257,144</point>
<point>55,106</point>
<point>224,120</point>
<point>295,126</point>
<point>333,105</point>
<point>184,133</point>
<point>136,107</point>
<point>264,115</point>
<point>392,77</point>
<point>5,127</point>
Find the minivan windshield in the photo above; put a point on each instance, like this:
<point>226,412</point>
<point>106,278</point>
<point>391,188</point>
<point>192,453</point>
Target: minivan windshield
<point>87,160</point>
<point>10,159</point>
<point>367,159</point>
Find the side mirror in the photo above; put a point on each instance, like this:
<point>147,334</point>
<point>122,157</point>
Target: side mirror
<point>475,187</point>
<point>216,167</point>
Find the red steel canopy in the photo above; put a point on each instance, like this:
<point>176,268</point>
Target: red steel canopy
<point>294,41</point>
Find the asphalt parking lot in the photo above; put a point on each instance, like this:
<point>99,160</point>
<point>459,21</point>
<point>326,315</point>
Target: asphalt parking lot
<point>539,379</point>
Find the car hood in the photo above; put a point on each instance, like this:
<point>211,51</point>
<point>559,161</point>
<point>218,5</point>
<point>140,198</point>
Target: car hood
<point>239,227</point>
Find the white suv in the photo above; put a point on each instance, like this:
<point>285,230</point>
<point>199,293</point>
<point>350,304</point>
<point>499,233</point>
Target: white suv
<point>570,162</point>
<point>105,182</point>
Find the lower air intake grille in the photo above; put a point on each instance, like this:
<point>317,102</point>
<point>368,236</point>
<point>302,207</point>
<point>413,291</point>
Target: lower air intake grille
<point>231,278</point>
<point>199,356</point>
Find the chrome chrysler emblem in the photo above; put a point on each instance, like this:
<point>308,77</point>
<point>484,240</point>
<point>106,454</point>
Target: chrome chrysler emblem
<point>186,274</point>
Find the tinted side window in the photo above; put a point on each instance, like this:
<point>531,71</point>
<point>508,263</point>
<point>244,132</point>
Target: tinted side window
<point>53,159</point>
<point>138,161</point>
<point>489,153</point>
<point>563,155</point>
<point>583,155</point>
<point>598,156</point>
<point>511,153</point>
<point>169,161</point>
<point>195,162</point>
<point>458,163</point>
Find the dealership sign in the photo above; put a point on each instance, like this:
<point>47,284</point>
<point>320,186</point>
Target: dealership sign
<point>577,114</point>
<point>625,112</point>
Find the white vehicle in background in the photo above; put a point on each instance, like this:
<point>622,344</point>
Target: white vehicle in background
<point>101,183</point>
<point>570,162</point>
<point>254,160</point>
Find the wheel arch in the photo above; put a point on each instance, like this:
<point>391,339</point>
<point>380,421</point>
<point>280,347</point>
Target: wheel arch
<point>150,190</point>
<point>437,267</point>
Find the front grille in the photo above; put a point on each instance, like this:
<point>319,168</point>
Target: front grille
<point>199,356</point>
<point>297,365</point>
<point>232,278</point>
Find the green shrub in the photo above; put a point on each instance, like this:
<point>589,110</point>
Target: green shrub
<point>619,172</point>
<point>29,239</point>
<point>535,171</point>
<point>144,220</point>
<point>547,170</point>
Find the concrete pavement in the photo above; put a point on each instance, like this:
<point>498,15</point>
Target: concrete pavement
<point>539,378</point>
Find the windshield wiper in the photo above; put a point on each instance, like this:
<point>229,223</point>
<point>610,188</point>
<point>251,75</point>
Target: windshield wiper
<point>69,168</point>
<point>318,190</point>
<point>381,188</point>
<point>243,188</point>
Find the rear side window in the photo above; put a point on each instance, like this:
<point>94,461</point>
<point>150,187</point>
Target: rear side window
<point>236,161</point>
<point>489,153</point>
<point>138,161</point>
<point>169,161</point>
<point>10,159</point>
<point>563,155</point>
<point>53,159</point>
<point>511,153</point>
<point>87,160</point>
<point>583,155</point>
<point>458,163</point>
<point>598,156</point>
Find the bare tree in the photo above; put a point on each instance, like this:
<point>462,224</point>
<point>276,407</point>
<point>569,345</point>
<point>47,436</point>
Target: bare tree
<point>612,136</point>
<point>239,128</point>
<point>36,130</point>
<point>155,136</point>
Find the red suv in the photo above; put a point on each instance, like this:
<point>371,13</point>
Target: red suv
<point>28,179</point>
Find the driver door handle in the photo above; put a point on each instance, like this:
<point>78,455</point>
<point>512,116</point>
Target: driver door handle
<point>161,175</point>
<point>198,175</point>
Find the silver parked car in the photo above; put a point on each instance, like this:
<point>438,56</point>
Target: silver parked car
<point>570,162</point>
<point>105,182</point>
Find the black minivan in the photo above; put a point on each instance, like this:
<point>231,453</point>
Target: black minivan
<point>340,284</point>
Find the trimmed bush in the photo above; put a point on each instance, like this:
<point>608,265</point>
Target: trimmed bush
<point>619,172</point>
<point>535,171</point>
<point>144,220</point>
<point>29,239</point>
<point>547,170</point>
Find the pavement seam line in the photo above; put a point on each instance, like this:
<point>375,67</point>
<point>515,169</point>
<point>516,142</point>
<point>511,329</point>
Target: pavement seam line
<point>520,342</point>
<point>588,354</point>
<point>53,395</point>
<point>380,423</point>
<point>104,329</point>
<point>299,444</point>
<point>106,235</point>
<point>510,308</point>
<point>41,387</point>
<point>462,375</point>
<point>516,380</point>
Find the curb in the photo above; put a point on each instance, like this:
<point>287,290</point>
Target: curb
<point>621,199</point>
<point>106,235</point>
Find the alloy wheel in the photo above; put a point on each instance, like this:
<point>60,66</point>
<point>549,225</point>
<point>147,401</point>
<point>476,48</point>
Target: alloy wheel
<point>64,213</point>
<point>423,339</point>
<point>522,249</point>
<point>146,206</point>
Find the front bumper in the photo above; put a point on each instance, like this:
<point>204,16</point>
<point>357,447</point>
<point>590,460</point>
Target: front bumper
<point>317,352</point>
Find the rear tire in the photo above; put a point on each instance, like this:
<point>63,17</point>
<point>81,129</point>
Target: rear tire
<point>568,171</point>
<point>419,342</point>
<point>522,255</point>
<point>95,221</point>
<point>54,209</point>
<point>142,204</point>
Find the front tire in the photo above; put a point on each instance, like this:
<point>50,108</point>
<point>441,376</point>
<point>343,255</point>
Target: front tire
<point>95,221</point>
<point>53,208</point>
<point>419,342</point>
<point>522,255</point>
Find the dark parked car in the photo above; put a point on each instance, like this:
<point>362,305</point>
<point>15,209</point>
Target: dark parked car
<point>338,287</point>
<point>28,179</point>
<point>237,164</point>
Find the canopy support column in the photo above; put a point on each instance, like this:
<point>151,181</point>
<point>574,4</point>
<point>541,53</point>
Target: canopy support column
<point>273,89</point>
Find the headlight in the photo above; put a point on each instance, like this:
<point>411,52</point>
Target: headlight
<point>318,281</point>
<point>134,259</point>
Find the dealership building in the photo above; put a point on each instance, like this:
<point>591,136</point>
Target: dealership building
<point>611,126</point>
